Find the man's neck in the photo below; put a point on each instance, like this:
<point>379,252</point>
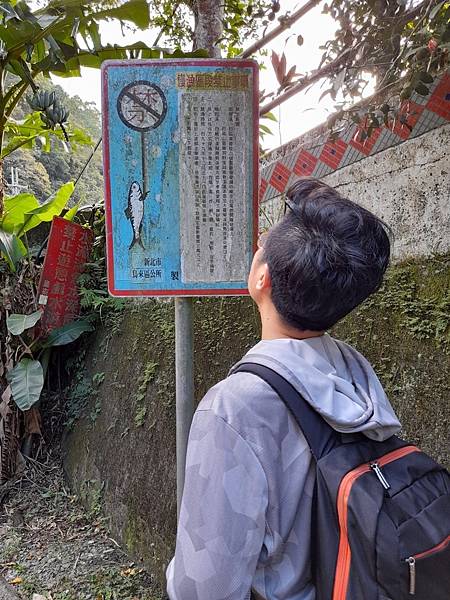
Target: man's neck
<point>274,328</point>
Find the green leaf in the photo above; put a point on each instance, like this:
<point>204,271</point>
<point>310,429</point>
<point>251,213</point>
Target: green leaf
<point>11,248</point>
<point>17,324</point>
<point>269,116</point>
<point>39,52</point>
<point>422,89</point>
<point>94,34</point>
<point>436,10</point>
<point>8,12</point>
<point>20,68</point>
<point>425,77</point>
<point>26,381</point>
<point>78,136</point>
<point>18,33</point>
<point>135,11</point>
<point>55,205</point>
<point>265,129</point>
<point>48,210</point>
<point>16,208</point>
<point>67,333</point>
<point>406,92</point>
<point>70,214</point>
<point>323,94</point>
<point>23,133</point>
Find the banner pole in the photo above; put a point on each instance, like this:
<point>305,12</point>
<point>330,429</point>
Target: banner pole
<point>184,372</point>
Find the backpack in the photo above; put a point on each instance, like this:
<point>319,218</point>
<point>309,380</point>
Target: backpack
<point>381,511</point>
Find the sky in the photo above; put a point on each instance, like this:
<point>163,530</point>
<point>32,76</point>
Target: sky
<point>296,116</point>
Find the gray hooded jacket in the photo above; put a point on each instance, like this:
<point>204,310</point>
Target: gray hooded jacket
<point>245,519</point>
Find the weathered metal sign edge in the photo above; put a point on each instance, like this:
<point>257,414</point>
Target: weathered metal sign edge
<point>106,169</point>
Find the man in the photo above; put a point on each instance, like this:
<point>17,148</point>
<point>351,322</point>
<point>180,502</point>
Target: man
<point>245,520</point>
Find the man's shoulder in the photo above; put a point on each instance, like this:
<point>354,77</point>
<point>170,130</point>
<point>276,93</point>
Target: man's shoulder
<point>243,400</point>
<point>234,390</point>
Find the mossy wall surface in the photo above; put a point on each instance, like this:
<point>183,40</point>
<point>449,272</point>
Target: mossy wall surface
<point>124,446</point>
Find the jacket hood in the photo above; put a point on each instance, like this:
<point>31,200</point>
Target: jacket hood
<point>335,379</point>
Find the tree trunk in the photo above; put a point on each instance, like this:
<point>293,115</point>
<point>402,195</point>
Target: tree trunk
<point>208,25</point>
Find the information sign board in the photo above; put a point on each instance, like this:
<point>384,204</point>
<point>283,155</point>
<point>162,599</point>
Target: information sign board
<point>180,143</point>
<point>68,249</point>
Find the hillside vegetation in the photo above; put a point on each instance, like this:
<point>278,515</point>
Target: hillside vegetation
<point>44,172</point>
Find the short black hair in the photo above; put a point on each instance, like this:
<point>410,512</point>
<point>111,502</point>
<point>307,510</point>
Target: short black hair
<point>325,256</point>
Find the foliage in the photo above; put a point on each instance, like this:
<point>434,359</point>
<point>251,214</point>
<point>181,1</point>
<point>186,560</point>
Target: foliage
<point>24,133</point>
<point>81,392</point>
<point>61,36</point>
<point>67,333</point>
<point>62,165</point>
<point>46,168</point>
<point>387,39</point>
<point>11,249</point>
<point>422,311</point>
<point>147,377</point>
<point>94,294</point>
<point>241,21</point>
<point>26,378</point>
<point>25,346</point>
<point>38,42</point>
<point>17,324</point>
<point>401,45</point>
<point>22,213</point>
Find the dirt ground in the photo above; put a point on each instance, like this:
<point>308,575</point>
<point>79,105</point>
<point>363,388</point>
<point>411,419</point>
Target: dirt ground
<point>51,548</point>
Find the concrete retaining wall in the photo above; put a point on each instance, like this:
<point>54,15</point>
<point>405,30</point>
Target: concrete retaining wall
<point>407,185</point>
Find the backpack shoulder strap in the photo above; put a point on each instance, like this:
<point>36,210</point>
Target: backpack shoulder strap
<point>320,436</point>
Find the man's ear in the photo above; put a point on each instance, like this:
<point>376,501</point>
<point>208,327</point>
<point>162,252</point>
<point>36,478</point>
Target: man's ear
<point>263,281</point>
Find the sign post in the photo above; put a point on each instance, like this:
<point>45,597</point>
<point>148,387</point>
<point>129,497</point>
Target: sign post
<point>184,372</point>
<point>181,172</point>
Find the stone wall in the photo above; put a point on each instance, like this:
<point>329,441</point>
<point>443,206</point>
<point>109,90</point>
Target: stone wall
<point>407,185</point>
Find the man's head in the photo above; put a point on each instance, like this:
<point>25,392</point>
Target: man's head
<point>321,260</point>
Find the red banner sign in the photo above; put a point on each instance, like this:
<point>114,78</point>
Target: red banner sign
<point>68,250</point>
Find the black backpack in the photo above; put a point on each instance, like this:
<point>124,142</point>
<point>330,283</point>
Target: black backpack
<point>381,511</point>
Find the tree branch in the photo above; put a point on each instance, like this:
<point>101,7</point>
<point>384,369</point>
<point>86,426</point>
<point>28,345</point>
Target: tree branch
<point>163,28</point>
<point>337,62</point>
<point>305,82</point>
<point>285,23</point>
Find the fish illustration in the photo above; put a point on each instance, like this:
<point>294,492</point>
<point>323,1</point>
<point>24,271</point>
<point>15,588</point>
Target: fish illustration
<point>134,212</point>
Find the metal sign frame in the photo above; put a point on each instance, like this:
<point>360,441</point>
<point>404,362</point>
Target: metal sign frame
<point>163,108</point>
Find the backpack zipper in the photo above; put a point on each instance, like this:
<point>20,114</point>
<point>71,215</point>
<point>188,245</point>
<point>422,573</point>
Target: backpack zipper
<point>344,552</point>
<point>412,575</point>
<point>378,472</point>
<point>411,561</point>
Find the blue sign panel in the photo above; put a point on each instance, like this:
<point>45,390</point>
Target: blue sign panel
<point>180,141</point>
